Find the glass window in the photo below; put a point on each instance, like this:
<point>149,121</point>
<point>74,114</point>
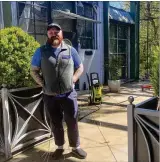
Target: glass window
<point>123,70</point>
<point>122,58</point>
<point>122,45</point>
<point>85,29</point>
<point>113,46</point>
<point>88,11</point>
<point>113,31</point>
<point>32,18</point>
<point>40,27</point>
<point>122,32</point>
<point>89,29</point>
<point>63,5</point>
<point>41,3</point>
<point>118,47</point>
<point>80,8</point>
<point>81,28</point>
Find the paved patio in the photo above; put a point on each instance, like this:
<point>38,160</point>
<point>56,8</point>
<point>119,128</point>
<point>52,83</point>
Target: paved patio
<point>103,133</point>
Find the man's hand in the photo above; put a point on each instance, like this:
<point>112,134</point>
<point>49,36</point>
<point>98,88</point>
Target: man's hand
<point>35,73</point>
<point>78,73</point>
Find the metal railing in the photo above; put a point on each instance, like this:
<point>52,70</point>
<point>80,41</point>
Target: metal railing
<point>143,131</point>
<point>23,120</point>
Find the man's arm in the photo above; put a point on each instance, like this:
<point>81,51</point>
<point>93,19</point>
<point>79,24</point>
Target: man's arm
<point>35,73</point>
<point>78,73</point>
<point>35,67</point>
<point>77,64</point>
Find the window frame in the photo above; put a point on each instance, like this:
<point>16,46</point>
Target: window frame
<point>92,38</point>
<point>33,19</point>
<point>117,53</point>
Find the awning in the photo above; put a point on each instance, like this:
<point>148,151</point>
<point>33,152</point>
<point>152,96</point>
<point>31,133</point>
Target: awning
<point>120,15</point>
<point>59,14</point>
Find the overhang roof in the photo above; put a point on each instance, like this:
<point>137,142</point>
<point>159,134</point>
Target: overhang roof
<point>120,15</point>
<point>59,14</point>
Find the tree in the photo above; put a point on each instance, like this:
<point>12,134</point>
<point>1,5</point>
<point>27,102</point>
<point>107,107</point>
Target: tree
<point>149,25</point>
<point>155,70</point>
<point>16,50</point>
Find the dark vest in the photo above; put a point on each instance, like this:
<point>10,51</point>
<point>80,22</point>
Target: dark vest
<point>57,70</point>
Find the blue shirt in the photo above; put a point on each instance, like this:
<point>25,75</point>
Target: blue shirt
<point>36,59</point>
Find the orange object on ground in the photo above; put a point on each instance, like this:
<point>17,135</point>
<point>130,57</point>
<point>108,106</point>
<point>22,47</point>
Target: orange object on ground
<point>147,86</point>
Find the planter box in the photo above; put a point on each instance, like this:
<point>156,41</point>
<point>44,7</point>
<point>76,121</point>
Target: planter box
<point>114,85</point>
<point>143,131</point>
<point>23,120</point>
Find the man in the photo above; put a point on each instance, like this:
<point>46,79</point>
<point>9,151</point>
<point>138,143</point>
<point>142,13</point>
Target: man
<point>56,61</point>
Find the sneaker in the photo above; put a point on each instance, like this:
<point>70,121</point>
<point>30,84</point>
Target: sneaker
<point>57,154</point>
<point>79,153</point>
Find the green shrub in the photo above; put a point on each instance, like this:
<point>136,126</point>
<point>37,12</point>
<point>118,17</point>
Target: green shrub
<point>155,70</point>
<point>114,68</point>
<point>16,50</point>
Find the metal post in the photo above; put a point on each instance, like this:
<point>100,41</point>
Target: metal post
<point>49,12</point>
<point>34,19</point>
<point>131,131</point>
<point>106,38</point>
<point>159,79</point>
<point>6,122</point>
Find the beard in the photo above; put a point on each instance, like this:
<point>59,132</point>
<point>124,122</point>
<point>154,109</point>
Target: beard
<point>55,41</point>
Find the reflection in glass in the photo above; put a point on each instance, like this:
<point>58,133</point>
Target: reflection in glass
<point>122,58</point>
<point>113,46</point>
<point>32,18</point>
<point>118,47</point>
<point>113,31</point>
<point>81,28</point>
<point>61,5</point>
<point>122,46</point>
<point>122,32</point>
<point>89,29</point>
<point>88,11</point>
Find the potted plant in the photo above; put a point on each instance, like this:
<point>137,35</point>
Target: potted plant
<point>114,74</point>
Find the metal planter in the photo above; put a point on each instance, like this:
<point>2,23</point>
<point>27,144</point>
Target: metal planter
<point>143,131</point>
<point>23,121</point>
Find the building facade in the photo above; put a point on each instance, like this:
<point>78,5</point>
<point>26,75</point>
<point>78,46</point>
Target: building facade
<point>96,29</point>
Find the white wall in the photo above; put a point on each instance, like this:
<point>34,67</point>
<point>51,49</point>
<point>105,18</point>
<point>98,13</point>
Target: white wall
<point>94,63</point>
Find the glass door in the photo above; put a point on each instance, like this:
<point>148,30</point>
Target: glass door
<point>119,47</point>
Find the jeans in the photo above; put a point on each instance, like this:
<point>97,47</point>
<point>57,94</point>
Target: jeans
<point>67,106</point>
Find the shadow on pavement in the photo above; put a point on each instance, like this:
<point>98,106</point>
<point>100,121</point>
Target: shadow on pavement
<point>104,124</point>
<point>35,155</point>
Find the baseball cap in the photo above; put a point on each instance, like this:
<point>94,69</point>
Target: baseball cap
<point>53,25</point>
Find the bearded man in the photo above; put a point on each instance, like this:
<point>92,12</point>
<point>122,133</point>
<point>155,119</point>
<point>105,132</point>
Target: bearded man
<point>56,62</point>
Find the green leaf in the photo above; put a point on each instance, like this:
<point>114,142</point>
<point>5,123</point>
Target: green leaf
<point>16,50</point>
